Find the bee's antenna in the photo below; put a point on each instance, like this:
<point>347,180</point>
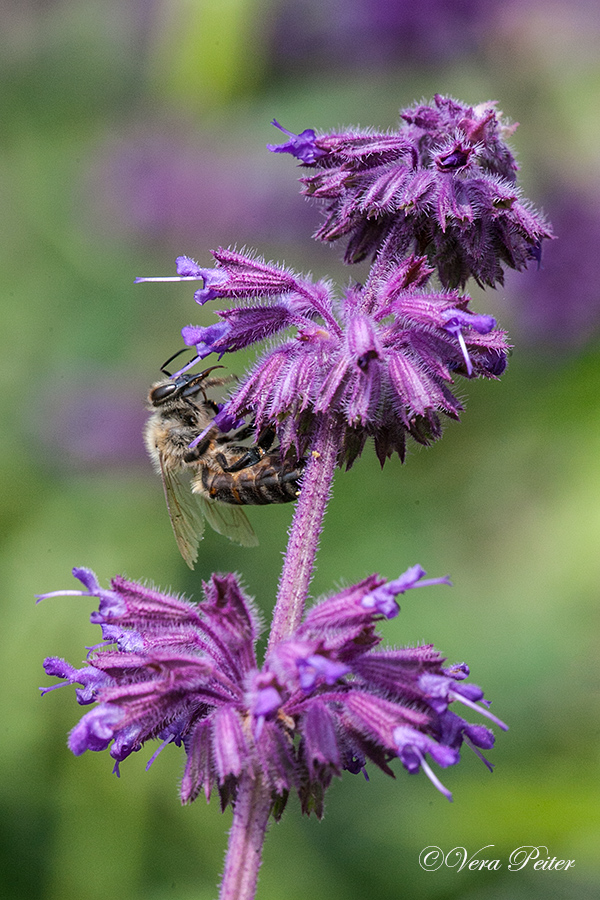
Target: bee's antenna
<point>163,368</point>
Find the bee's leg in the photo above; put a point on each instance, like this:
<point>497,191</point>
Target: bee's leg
<point>243,433</point>
<point>251,456</point>
<point>265,441</point>
<point>194,455</point>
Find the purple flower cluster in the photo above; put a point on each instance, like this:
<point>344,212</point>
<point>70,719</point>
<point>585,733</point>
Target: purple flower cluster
<point>442,185</point>
<point>376,362</point>
<point>327,698</point>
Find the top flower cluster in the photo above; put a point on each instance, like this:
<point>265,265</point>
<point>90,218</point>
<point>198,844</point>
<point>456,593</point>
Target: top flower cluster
<point>442,185</point>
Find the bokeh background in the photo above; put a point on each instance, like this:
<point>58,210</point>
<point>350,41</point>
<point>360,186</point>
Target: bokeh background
<point>134,131</point>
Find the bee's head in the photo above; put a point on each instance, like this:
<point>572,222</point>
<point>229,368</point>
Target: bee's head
<point>183,386</point>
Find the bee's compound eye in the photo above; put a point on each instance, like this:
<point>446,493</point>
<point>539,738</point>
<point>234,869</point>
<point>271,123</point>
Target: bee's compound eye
<point>162,392</point>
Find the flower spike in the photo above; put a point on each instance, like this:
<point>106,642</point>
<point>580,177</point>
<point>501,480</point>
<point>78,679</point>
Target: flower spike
<point>376,363</point>
<point>326,699</point>
<point>443,184</point>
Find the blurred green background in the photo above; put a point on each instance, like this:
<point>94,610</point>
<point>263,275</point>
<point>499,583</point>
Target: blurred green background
<point>134,131</point>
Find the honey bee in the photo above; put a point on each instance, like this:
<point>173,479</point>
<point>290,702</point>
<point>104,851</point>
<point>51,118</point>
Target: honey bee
<point>222,474</point>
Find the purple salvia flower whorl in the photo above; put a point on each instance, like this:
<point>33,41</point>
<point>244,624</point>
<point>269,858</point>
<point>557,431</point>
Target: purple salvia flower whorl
<point>442,185</point>
<point>378,362</point>
<point>326,699</point>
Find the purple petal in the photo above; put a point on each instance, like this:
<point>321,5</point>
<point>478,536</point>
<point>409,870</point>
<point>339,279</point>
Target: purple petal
<point>95,730</point>
<point>267,700</point>
<point>317,667</point>
<point>188,268</point>
<point>214,279</point>
<point>211,339</point>
<point>302,145</point>
<point>87,578</point>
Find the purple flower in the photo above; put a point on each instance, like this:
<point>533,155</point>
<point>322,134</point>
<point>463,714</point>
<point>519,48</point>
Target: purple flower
<point>302,146</point>
<point>327,698</point>
<point>377,362</point>
<point>442,185</point>
<point>188,270</point>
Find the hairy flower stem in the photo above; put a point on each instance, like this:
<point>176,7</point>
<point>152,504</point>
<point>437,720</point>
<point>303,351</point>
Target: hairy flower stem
<point>246,838</point>
<point>253,801</point>
<point>305,531</point>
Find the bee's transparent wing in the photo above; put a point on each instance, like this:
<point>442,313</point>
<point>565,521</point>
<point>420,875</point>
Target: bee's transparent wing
<point>185,514</point>
<point>188,511</point>
<point>230,521</point>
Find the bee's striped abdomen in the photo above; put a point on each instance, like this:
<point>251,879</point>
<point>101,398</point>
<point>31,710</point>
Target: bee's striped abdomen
<point>264,483</point>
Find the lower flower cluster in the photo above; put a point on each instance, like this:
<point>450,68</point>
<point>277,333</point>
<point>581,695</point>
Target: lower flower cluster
<point>327,698</point>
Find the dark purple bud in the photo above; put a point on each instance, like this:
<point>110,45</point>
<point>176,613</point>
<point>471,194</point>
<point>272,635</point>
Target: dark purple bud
<point>480,736</point>
<point>492,362</point>
<point>458,671</point>
<point>127,741</point>
<point>534,251</point>
<point>455,158</point>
